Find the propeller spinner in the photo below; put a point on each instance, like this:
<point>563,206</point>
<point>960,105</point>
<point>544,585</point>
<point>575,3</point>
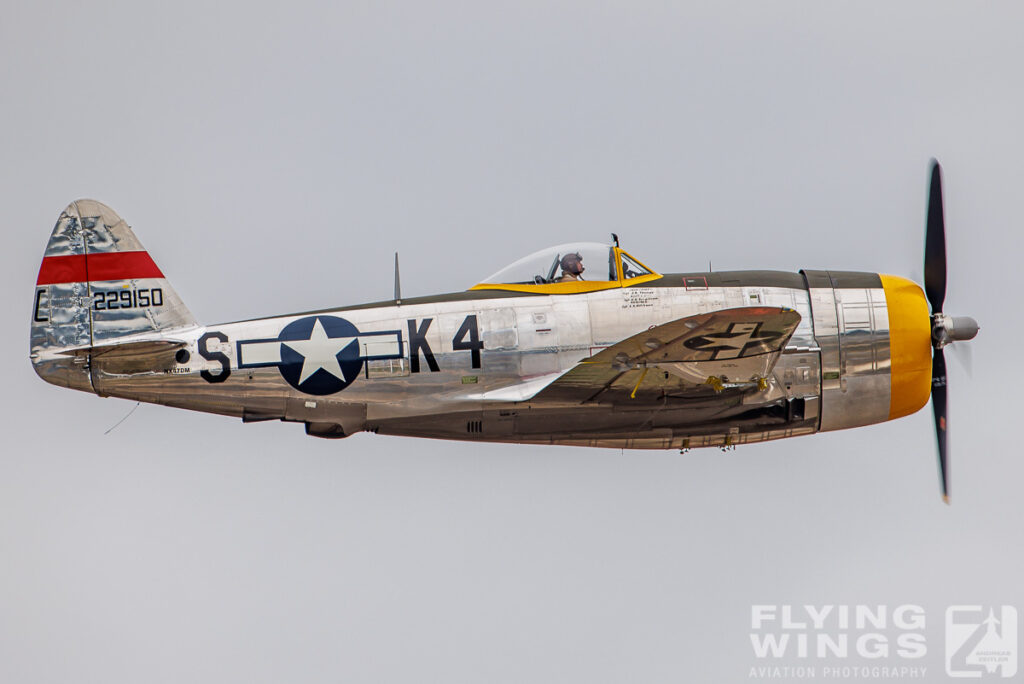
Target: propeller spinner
<point>945,329</point>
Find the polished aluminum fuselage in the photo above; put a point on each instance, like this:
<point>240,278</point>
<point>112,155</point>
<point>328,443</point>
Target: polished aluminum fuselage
<point>833,374</point>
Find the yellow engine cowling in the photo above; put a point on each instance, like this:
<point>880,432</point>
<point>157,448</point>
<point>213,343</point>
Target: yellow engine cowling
<point>874,334</point>
<point>910,346</point>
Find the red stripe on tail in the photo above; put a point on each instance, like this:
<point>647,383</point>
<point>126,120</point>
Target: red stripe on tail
<point>77,268</point>
<point>62,269</point>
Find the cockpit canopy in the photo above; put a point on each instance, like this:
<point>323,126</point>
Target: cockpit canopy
<point>583,266</point>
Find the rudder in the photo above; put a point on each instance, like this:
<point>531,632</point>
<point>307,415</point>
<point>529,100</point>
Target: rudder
<point>96,285</point>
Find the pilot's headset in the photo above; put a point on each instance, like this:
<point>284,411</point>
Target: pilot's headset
<point>572,263</point>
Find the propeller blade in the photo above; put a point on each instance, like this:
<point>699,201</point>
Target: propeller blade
<point>939,409</point>
<point>935,244</point>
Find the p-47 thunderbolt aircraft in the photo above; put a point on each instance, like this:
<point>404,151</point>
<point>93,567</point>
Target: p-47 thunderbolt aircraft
<point>579,344</point>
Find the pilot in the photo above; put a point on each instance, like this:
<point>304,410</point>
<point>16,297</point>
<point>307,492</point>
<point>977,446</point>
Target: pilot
<point>572,268</point>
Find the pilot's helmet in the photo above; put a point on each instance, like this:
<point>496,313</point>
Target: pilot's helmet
<point>572,263</point>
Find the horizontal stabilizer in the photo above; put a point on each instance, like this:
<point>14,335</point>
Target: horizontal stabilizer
<point>137,348</point>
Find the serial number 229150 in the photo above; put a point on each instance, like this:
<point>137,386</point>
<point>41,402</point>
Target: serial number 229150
<point>127,299</point>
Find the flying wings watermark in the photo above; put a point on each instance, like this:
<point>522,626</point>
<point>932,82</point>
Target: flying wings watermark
<point>841,642</point>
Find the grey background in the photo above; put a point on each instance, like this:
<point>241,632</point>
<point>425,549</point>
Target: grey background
<point>272,158</point>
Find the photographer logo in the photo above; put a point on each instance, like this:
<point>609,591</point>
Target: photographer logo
<point>981,641</point>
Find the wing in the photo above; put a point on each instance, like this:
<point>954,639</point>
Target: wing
<point>731,349</point>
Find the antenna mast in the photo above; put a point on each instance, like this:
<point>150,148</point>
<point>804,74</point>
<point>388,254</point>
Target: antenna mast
<point>398,283</point>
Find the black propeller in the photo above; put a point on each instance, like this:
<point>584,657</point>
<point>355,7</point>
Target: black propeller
<point>935,244</point>
<point>945,329</point>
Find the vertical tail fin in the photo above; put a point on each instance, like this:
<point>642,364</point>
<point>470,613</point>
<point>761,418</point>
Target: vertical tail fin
<point>96,285</point>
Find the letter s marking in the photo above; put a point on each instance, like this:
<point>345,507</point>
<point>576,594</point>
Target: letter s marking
<point>225,363</point>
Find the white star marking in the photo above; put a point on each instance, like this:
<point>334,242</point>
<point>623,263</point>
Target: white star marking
<point>320,351</point>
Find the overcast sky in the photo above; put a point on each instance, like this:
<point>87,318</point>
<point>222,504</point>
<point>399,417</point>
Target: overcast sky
<point>272,158</point>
